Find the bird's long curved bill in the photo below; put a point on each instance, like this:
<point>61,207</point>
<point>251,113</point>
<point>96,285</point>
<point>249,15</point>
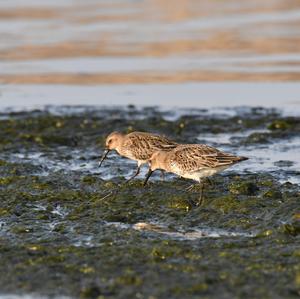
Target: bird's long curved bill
<point>103,157</point>
<point>148,176</point>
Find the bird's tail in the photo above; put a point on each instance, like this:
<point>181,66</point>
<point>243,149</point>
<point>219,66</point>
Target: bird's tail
<point>227,159</point>
<point>239,159</point>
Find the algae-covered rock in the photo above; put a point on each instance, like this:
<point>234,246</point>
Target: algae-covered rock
<point>92,291</point>
<point>2,163</point>
<point>257,138</point>
<point>292,228</point>
<point>284,163</point>
<point>129,278</point>
<point>181,204</point>
<point>265,233</point>
<point>244,188</point>
<point>70,229</point>
<point>226,204</point>
<point>279,125</point>
<point>89,179</point>
<point>273,194</point>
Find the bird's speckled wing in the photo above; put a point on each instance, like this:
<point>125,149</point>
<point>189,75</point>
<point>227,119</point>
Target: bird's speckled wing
<point>192,157</point>
<point>142,145</point>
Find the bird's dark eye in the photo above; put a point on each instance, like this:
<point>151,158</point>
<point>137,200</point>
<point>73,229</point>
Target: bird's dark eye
<point>110,141</point>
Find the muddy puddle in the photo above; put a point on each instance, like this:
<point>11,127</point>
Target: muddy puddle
<point>69,229</point>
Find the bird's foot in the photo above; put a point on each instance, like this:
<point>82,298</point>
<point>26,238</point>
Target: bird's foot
<point>209,182</point>
<point>110,193</point>
<point>200,200</point>
<point>190,188</point>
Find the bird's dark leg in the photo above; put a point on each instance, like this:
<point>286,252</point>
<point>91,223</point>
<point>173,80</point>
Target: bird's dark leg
<point>210,182</point>
<point>202,186</point>
<point>162,175</point>
<point>148,176</point>
<point>135,174</point>
<point>200,200</point>
<point>201,194</point>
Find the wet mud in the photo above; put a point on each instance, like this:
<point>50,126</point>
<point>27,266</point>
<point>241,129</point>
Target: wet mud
<point>70,229</point>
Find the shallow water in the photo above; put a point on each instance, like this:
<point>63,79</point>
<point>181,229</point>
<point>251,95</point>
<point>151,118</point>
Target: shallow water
<point>52,53</point>
<point>284,96</point>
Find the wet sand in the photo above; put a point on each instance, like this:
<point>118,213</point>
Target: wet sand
<point>151,42</point>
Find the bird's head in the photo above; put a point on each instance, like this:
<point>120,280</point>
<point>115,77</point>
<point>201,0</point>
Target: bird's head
<point>114,140</point>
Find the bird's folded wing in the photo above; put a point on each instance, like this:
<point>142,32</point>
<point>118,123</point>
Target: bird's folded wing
<point>192,158</point>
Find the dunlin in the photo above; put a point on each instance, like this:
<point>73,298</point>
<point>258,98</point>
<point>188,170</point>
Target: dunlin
<point>138,146</point>
<point>192,161</point>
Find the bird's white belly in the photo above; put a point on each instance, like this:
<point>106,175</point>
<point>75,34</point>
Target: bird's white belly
<point>128,154</point>
<point>202,173</point>
<point>140,162</point>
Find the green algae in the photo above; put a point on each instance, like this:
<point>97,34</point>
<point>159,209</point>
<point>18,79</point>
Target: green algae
<point>72,233</point>
<point>279,125</point>
<point>292,228</point>
<point>273,194</point>
<point>2,163</point>
<point>181,204</point>
<point>245,188</point>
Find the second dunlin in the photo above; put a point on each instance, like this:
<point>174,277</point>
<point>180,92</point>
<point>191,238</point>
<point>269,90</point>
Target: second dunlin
<point>192,161</point>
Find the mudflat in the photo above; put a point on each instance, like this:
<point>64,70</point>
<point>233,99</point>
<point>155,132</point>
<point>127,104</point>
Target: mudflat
<point>61,235</point>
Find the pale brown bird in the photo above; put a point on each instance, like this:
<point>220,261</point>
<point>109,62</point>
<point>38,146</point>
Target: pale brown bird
<point>192,161</point>
<point>138,146</point>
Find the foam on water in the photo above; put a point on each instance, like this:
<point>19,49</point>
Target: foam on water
<point>192,234</point>
<point>112,167</point>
